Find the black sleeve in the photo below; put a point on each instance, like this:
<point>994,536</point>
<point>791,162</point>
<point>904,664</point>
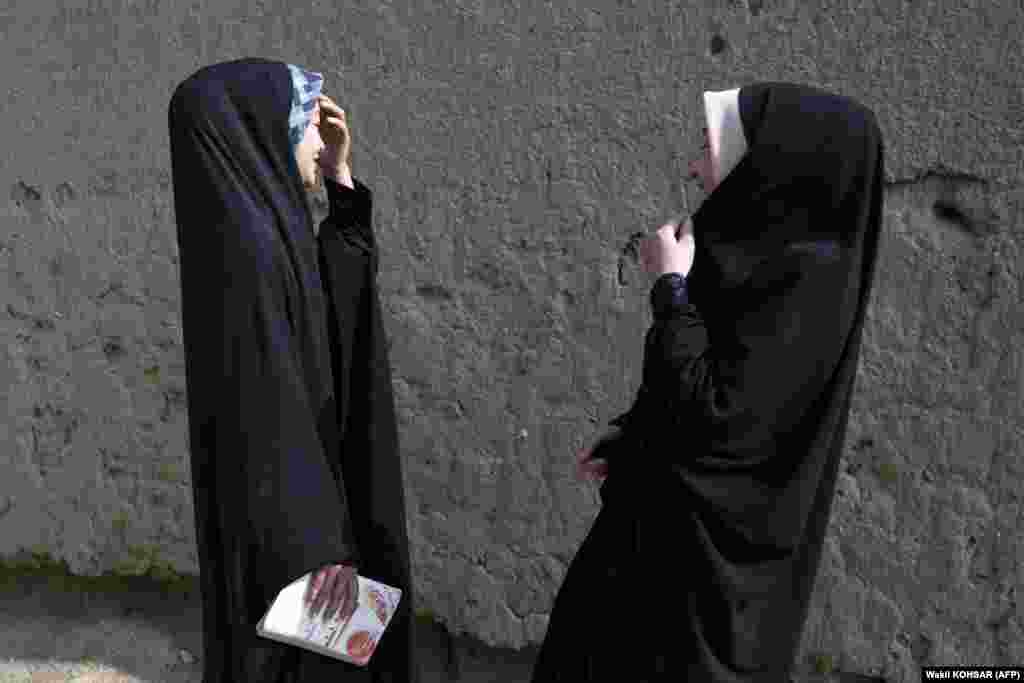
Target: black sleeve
<point>668,299</point>
<point>726,403</point>
<point>348,266</point>
<point>270,454</point>
<point>349,203</point>
<point>351,211</point>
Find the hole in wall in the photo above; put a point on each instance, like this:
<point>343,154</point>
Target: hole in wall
<point>113,349</point>
<point>718,44</point>
<point>949,211</point>
<point>22,192</point>
<point>863,444</point>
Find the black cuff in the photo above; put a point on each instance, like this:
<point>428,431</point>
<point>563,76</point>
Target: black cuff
<point>351,208</point>
<point>668,295</point>
<point>345,196</point>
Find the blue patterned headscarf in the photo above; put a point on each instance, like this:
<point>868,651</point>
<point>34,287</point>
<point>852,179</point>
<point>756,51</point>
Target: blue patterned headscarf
<point>306,87</point>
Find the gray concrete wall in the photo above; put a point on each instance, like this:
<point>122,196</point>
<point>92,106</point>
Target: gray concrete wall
<point>513,147</point>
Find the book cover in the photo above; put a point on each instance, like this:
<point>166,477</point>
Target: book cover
<point>288,620</point>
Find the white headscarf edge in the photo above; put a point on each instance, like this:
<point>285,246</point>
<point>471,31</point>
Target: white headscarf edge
<point>725,131</point>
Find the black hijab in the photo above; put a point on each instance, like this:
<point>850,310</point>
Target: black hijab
<point>785,256</point>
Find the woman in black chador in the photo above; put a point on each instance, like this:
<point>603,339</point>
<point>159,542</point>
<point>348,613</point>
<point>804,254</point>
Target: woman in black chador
<point>719,481</point>
<point>292,431</point>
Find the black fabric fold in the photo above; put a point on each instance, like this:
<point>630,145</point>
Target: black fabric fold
<point>368,440</point>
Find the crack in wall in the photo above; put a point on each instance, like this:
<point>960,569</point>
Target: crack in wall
<point>939,173</point>
<point>973,204</point>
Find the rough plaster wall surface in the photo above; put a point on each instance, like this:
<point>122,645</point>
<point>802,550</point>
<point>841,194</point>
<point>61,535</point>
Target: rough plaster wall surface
<point>512,148</point>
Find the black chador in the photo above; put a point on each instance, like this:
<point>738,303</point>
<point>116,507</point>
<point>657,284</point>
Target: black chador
<point>295,461</point>
<point>703,557</point>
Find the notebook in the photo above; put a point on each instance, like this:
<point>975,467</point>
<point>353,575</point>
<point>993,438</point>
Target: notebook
<point>288,620</point>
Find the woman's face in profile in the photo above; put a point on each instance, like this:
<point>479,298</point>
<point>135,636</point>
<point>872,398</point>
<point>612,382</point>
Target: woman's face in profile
<point>307,153</point>
<point>701,167</point>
